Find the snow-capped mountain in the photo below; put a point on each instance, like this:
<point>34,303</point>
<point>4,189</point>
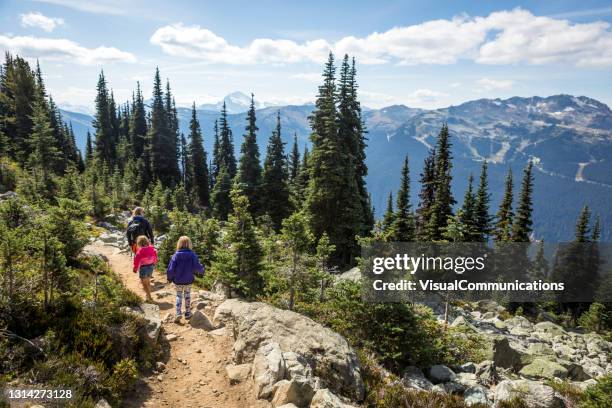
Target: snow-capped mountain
<point>236,102</point>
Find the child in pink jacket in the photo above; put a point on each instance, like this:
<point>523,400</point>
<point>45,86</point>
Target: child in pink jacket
<point>144,262</point>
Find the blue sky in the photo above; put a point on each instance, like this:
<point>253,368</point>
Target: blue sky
<point>422,54</point>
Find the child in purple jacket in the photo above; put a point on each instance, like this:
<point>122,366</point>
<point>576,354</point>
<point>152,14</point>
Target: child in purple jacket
<point>181,269</point>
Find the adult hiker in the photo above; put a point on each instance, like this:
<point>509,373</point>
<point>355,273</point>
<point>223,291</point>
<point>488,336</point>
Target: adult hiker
<point>138,226</point>
<point>182,267</point>
<point>144,263</point>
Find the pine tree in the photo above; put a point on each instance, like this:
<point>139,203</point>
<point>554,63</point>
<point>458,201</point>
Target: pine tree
<point>226,144</point>
<point>162,139</point>
<point>138,125</point>
<point>301,182</point>
<point>198,168</point>
<point>274,186</point>
<point>505,215</point>
<point>240,256</point>
<point>402,229</point>
<point>468,212</point>
<point>249,171</point>
<point>294,162</point>
<point>582,225</point>
<point>220,195</point>
<point>44,153</point>
<point>89,154</point>
<point>216,159</point>
<point>442,207</point>
<point>389,215</point>
<point>481,211</point>
<point>297,240</point>
<point>103,123</point>
<point>426,195</point>
<point>521,228</point>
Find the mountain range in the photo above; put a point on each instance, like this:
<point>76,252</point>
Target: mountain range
<point>568,138</point>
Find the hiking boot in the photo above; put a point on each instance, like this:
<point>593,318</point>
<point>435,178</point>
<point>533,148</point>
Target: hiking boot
<point>177,319</point>
<point>188,315</point>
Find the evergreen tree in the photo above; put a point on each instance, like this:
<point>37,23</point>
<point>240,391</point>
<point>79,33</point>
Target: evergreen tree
<point>521,227</point>
<point>162,139</point>
<point>226,144</point>
<point>249,171</point>
<point>389,215</point>
<point>481,211</point>
<point>402,229</point>
<point>582,225</point>
<point>505,215</point>
<point>239,258</point>
<point>220,195</point>
<point>198,169</point>
<point>442,207</point>
<point>468,213</point>
<point>88,149</point>
<point>301,182</point>
<point>138,125</point>
<point>297,240</point>
<point>294,162</point>
<point>184,161</point>
<point>216,159</point>
<point>44,153</point>
<point>426,195</point>
<point>274,186</point>
<point>103,123</point>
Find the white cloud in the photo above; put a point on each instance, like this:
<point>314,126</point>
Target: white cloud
<point>488,84</point>
<point>63,49</point>
<point>115,7</point>
<point>314,77</point>
<point>503,37</point>
<point>36,19</point>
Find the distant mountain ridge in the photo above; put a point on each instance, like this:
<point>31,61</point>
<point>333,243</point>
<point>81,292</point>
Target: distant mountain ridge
<point>569,139</point>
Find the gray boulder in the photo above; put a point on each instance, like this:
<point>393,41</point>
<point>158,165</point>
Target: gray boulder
<point>414,378</point>
<point>200,321</point>
<point>467,368</point>
<point>487,373</point>
<point>324,398</point>
<point>534,394</point>
<point>328,354</point>
<point>268,369</point>
<point>8,195</point>
<point>504,355</point>
<point>543,368</point>
<point>440,374</point>
<point>476,395</point>
<point>102,403</point>
<point>150,313</point>
<point>237,373</point>
<point>297,392</point>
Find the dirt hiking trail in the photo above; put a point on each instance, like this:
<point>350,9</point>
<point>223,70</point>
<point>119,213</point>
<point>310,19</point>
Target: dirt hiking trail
<point>192,372</point>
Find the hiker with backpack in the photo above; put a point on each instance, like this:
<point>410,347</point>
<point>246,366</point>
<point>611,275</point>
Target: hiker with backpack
<point>138,226</point>
<point>182,267</point>
<point>144,263</point>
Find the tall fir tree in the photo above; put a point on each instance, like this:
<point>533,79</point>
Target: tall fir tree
<point>389,215</point>
<point>442,208</point>
<point>582,225</point>
<point>103,124</point>
<point>274,184</point>
<point>138,125</point>
<point>467,217</point>
<point>44,152</point>
<point>294,161</point>
<point>216,154</point>
<point>402,228</point>
<point>426,195</point>
<point>249,170</point>
<point>198,167</point>
<point>505,215</point>
<point>89,153</point>
<point>481,211</point>
<point>226,158</point>
<point>301,182</point>
<point>521,227</point>
<point>220,195</point>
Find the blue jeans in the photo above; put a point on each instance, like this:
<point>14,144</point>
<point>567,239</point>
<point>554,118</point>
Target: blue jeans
<point>146,271</point>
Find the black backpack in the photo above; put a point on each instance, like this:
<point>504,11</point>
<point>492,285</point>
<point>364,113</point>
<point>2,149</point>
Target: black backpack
<point>134,230</point>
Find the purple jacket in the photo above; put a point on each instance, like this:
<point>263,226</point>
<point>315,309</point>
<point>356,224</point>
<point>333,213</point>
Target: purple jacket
<point>182,267</point>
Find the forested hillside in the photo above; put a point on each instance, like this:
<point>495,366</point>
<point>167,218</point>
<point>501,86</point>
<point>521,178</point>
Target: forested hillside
<point>275,223</point>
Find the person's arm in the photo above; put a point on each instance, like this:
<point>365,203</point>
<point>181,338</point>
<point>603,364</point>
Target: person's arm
<point>127,233</point>
<point>137,260</point>
<point>198,267</point>
<point>154,256</point>
<point>150,233</point>
<point>170,270</point>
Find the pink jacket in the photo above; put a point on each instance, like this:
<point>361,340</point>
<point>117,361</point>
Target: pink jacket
<point>145,256</point>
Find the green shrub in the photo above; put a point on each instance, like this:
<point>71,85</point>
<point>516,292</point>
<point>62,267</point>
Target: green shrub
<point>124,377</point>
<point>599,395</point>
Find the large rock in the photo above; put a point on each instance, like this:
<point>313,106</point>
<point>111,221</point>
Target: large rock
<point>414,378</point>
<point>543,368</point>
<point>440,374</point>
<point>328,354</point>
<point>268,368</point>
<point>487,373</point>
<point>201,321</point>
<point>324,398</point>
<point>504,355</point>
<point>533,393</point>
<point>297,392</point>
<point>102,404</point>
<point>476,395</point>
<point>547,331</point>
<point>150,313</point>
<point>238,372</point>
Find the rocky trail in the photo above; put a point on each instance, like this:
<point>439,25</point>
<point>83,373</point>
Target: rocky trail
<point>193,370</point>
